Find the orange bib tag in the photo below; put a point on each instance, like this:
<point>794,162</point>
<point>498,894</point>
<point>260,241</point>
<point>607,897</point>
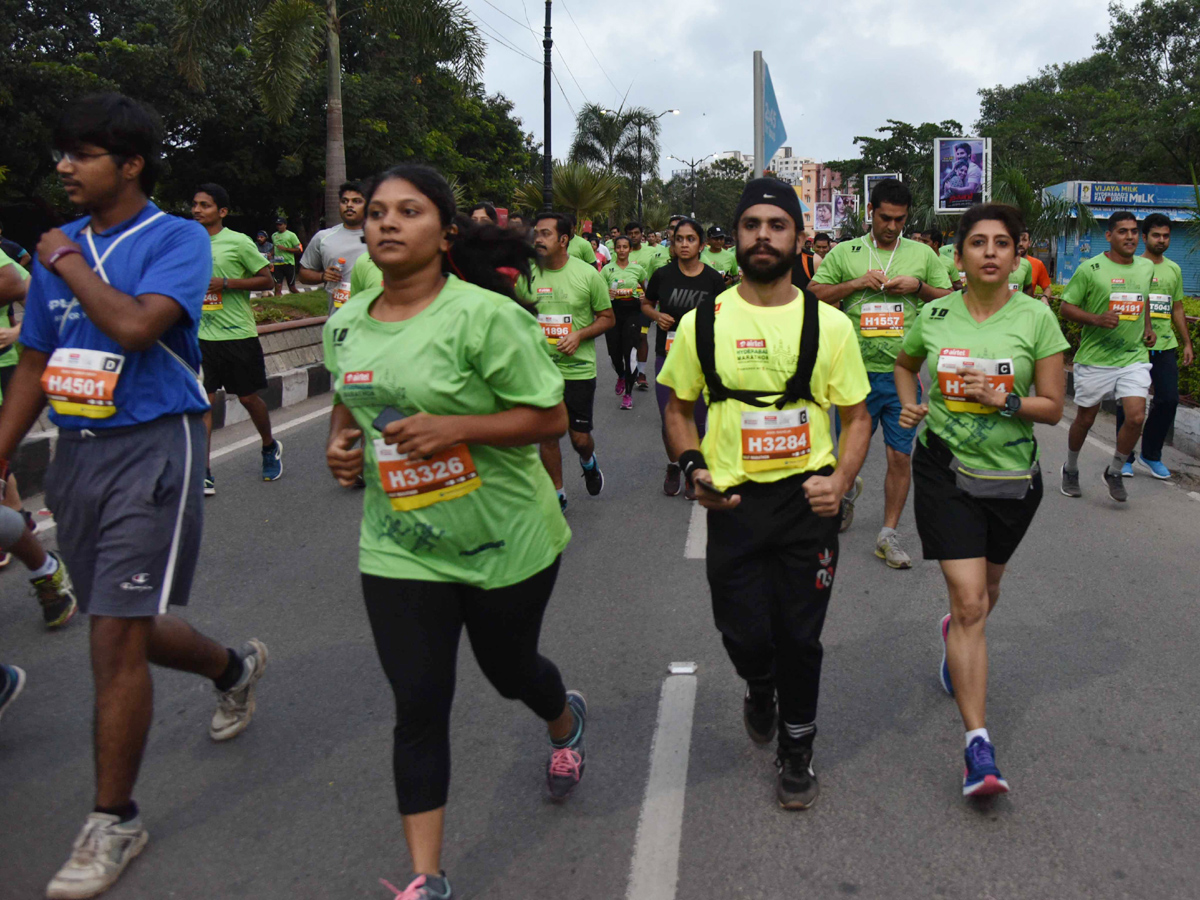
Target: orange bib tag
<point>775,439</point>
<point>882,320</point>
<point>341,294</point>
<point>82,382</point>
<point>555,327</point>
<point>670,341</point>
<point>999,374</point>
<point>212,301</point>
<point>1127,306</point>
<point>1160,306</point>
<point>416,483</point>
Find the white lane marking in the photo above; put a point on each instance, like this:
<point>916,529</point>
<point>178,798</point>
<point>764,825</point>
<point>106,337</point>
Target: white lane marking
<point>50,524</point>
<point>696,546</point>
<point>654,873</point>
<point>1194,495</point>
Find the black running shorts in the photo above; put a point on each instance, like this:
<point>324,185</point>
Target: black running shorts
<point>237,365</point>
<point>580,397</point>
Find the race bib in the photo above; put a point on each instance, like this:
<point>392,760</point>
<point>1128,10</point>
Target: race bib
<point>775,439</point>
<point>82,382</point>
<point>1127,306</point>
<point>555,327</point>
<point>414,483</point>
<point>341,294</point>
<point>882,320</point>
<point>1012,286</point>
<point>212,301</point>
<point>670,341</point>
<point>1160,306</point>
<point>999,374</point>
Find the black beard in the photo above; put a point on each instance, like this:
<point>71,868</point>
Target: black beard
<point>765,274</point>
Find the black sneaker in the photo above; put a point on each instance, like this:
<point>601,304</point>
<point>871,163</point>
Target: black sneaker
<point>593,478</point>
<point>642,384</point>
<point>1070,483</point>
<point>671,482</point>
<point>1116,486</point>
<point>796,785</point>
<point>758,712</point>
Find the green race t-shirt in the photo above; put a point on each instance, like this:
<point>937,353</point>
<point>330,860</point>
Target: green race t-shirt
<point>11,356</point>
<point>364,275</point>
<point>1098,285</point>
<point>1022,277</point>
<point>1166,289</point>
<point>881,319</point>
<point>1008,345</point>
<point>648,258</point>
<point>581,248</point>
<point>631,279</point>
<point>285,239</point>
<point>576,291</point>
<point>724,261</point>
<point>227,315</point>
<point>471,352</point>
<point>946,251</point>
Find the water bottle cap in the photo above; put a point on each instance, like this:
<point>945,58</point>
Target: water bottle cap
<point>342,260</point>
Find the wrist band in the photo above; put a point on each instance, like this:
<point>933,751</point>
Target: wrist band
<point>690,461</point>
<point>59,254</point>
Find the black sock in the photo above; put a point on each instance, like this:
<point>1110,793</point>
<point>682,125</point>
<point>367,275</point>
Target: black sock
<point>124,813</point>
<point>232,674</point>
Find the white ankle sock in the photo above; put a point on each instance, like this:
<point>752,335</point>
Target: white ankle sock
<point>49,567</point>
<point>978,732</point>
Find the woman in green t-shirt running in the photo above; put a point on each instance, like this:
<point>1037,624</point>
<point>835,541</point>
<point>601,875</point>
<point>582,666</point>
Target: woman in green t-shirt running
<point>996,368</point>
<point>444,378</point>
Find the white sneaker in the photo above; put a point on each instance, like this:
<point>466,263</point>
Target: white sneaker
<point>888,549</point>
<point>236,705</point>
<point>103,849</point>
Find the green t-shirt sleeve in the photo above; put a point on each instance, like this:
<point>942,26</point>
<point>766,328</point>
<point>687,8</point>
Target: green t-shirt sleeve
<point>830,271</point>
<point>1049,337</point>
<point>1177,294</point>
<point>1027,278</point>
<point>936,274</point>
<point>681,372</point>
<point>250,259</point>
<point>914,338</point>
<point>598,292</point>
<point>848,382</point>
<point>507,352</point>
<point>586,253</point>
<point>1077,288</point>
<point>951,271</point>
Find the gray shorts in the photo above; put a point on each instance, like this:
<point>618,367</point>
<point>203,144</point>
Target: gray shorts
<point>129,507</point>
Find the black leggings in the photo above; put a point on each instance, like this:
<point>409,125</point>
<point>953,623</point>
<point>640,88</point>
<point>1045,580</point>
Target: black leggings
<point>623,338</point>
<point>416,625</point>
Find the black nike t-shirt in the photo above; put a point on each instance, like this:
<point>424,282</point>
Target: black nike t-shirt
<point>674,293</point>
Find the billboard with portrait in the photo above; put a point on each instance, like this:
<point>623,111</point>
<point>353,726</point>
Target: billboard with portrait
<point>823,217</point>
<point>869,182</point>
<point>962,169</point>
<point>844,206</point>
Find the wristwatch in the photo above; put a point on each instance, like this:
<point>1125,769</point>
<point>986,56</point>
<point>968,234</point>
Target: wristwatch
<point>1012,405</point>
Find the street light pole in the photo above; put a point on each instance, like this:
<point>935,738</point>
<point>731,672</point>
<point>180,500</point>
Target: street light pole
<point>692,164</point>
<point>641,122</point>
<point>547,159</point>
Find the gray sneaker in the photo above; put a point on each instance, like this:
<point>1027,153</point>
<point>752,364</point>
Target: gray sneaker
<point>235,706</point>
<point>104,848</point>
<point>1116,486</point>
<point>888,549</point>
<point>848,505</point>
<point>1070,483</point>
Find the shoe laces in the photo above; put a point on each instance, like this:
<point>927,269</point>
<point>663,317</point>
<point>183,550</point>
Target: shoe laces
<point>415,891</point>
<point>891,543</point>
<point>565,763</point>
<point>89,846</point>
<point>47,588</point>
<point>983,756</point>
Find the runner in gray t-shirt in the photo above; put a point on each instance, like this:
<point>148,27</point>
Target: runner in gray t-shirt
<point>319,264</point>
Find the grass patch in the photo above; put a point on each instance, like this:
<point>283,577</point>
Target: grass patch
<point>289,307</point>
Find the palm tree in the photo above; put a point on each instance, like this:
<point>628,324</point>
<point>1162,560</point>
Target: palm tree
<point>1046,217</point>
<point>578,189</point>
<point>286,37</point>
<point>623,141</point>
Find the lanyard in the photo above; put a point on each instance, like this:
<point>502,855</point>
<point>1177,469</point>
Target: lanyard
<point>873,259</point>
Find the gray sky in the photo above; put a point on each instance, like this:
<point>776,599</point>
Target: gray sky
<point>839,68</point>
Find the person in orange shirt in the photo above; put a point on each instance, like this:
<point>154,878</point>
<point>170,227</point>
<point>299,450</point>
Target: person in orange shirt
<point>1041,278</point>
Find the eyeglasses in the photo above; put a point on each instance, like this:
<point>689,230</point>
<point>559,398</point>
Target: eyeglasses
<point>75,156</point>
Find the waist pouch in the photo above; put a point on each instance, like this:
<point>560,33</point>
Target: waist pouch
<point>986,484</point>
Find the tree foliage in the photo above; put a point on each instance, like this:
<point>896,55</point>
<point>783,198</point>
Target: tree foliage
<point>718,187</point>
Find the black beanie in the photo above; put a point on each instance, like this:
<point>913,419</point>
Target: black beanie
<point>773,192</point>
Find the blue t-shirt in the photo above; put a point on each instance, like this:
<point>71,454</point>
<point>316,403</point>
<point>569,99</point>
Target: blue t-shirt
<point>169,256</point>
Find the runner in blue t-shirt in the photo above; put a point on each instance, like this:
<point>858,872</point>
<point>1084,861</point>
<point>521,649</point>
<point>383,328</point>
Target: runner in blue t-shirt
<point>110,336</point>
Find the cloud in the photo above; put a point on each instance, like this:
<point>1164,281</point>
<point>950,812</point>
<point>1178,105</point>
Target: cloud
<point>839,70</point>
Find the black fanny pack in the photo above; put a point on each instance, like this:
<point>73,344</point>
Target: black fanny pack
<point>986,484</point>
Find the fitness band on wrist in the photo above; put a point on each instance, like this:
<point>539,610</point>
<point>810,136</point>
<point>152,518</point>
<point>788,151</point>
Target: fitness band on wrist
<point>58,254</point>
<point>690,461</point>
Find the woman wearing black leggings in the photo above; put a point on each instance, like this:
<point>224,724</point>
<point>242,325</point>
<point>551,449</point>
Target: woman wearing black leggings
<point>626,284</point>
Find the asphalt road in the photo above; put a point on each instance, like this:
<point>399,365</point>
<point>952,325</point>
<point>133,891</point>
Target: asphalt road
<point>1092,708</point>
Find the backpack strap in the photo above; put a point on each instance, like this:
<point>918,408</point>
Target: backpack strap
<point>799,386</point>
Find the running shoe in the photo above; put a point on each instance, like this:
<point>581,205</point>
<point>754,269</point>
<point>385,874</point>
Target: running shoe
<point>565,769</point>
<point>1154,467</point>
<point>626,402</point>
<point>235,707</point>
<point>423,887</point>
<point>944,671</point>
<point>210,484</point>
<point>689,492</point>
<point>848,505</point>
<point>620,386</point>
<point>981,777</point>
<point>796,784</point>
<point>593,478</point>
<point>104,847</point>
<point>642,384</point>
<point>1070,483</point>
<point>273,461</point>
<point>1116,487</point>
<point>1127,470</point>
<point>5,559</point>
<point>758,713</point>
<point>56,593</point>
<point>888,549</point>
<point>11,687</point>
<point>672,481</point>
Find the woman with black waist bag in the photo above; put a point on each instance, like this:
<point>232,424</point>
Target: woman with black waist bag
<point>998,361</point>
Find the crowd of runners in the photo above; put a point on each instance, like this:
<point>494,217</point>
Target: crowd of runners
<point>462,352</point>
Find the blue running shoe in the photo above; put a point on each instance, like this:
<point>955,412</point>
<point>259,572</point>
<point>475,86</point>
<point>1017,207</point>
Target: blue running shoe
<point>565,769</point>
<point>273,461</point>
<point>1127,470</point>
<point>982,778</point>
<point>1154,467</point>
<point>944,671</point>
<point>11,687</point>
<point>423,887</point>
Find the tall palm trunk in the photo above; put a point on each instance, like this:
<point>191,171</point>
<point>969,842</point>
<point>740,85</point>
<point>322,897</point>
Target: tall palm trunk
<point>335,144</point>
